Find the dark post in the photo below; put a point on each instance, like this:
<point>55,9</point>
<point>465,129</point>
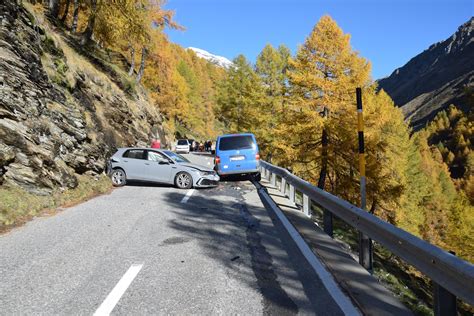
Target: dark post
<point>444,301</point>
<point>327,222</point>
<point>365,243</point>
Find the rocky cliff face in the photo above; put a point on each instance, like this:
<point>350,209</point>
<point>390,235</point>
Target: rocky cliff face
<point>60,115</point>
<point>435,78</point>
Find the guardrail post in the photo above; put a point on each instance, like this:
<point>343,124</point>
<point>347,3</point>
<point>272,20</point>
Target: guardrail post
<point>283,186</point>
<point>292,194</point>
<point>273,179</point>
<point>327,222</point>
<point>365,252</point>
<point>444,301</point>
<point>306,205</point>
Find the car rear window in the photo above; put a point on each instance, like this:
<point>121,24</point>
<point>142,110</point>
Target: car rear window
<point>182,142</point>
<point>236,142</point>
<point>135,154</point>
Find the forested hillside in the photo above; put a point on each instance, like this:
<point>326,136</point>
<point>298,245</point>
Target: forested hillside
<point>441,75</point>
<point>181,85</point>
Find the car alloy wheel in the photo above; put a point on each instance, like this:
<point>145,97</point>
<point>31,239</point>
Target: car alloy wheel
<point>118,177</point>
<point>184,180</point>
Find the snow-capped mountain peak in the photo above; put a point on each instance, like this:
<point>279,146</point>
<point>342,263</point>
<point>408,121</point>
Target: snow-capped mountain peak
<point>218,60</point>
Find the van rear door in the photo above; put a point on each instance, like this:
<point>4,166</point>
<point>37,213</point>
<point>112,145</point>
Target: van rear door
<point>237,153</point>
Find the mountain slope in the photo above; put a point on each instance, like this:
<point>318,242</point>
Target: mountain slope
<point>62,112</point>
<point>217,60</point>
<point>437,77</point>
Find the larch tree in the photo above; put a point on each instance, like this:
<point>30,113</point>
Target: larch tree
<point>323,78</point>
<point>271,66</point>
<point>241,97</point>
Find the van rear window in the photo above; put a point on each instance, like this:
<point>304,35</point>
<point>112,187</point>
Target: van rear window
<point>236,142</point>
<point>182,142</point>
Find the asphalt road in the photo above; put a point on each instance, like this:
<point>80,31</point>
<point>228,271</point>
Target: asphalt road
<point>151,249</point>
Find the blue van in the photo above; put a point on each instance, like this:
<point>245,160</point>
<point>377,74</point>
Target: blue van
<point>237,154</point>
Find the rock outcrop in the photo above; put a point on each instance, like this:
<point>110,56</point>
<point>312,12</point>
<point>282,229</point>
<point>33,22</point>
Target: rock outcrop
<point>60,115</point>
<point>436,78</point>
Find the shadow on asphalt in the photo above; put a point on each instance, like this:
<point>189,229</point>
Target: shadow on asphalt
<point>232,178</point>
<point>227,232</point>
<point>147,184</point>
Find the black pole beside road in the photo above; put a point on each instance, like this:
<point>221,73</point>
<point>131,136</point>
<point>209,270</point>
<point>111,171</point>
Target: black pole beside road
<point>365,243</point>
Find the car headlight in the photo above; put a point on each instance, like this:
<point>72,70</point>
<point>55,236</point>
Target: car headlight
<point>205,173</point>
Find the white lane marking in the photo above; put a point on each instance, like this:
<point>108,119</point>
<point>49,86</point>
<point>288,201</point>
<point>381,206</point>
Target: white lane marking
<point>112,299</point>
<point>187,196</point>
<point>343,301</point>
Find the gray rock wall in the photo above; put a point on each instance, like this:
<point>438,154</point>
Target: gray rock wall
<point>63,122</point>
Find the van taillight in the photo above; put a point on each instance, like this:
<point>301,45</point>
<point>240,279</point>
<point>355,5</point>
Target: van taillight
<point>218,159</point>
<point>257,157</point>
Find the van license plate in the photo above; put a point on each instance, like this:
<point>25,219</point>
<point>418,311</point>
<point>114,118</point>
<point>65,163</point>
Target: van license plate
<point>236,158</point>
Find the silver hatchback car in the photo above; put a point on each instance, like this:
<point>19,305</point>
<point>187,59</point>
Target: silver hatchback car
<point>155,165</point>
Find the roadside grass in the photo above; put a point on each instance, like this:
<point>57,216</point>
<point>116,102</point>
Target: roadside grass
<point>19,206</point>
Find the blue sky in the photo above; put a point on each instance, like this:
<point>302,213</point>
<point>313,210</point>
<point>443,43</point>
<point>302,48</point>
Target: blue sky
<point>387,32</point>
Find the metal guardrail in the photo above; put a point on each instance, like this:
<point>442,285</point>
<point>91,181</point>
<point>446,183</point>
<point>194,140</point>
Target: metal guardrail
<point>451,274</point>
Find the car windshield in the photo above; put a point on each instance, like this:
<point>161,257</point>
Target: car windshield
<point>236,142</point>
<point>182,142</point>
<point>175,156</point>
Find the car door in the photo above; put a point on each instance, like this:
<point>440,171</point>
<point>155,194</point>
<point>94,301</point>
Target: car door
<point>133,163</point>
<point>158,167</point>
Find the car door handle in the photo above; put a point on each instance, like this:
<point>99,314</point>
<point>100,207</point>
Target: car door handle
<point>146,163</point>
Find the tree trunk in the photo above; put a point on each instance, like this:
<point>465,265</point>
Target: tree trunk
<point>372,208</point>
<point>54,8</point>
<point>132,61</point>
<point>324,159</point>
<point>142,65</point>
<point>75,16</point>
<point>66,11</point>
<point>87,35</point>
<point>324,152</point>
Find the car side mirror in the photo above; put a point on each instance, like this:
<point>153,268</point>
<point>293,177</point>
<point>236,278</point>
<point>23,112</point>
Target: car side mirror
<point>163,162</point>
